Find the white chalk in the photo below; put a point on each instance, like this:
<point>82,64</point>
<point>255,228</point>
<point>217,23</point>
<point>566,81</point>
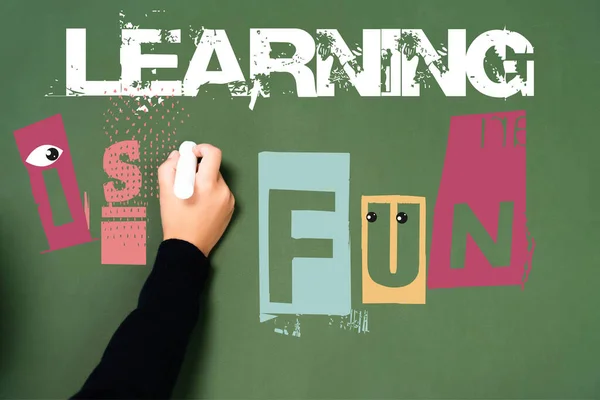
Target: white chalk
<point>185,175</point>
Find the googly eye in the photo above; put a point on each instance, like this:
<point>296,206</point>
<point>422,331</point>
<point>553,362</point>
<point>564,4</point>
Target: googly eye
<point>44,155</point>
<point>402,217</point>
<point>371,216</point>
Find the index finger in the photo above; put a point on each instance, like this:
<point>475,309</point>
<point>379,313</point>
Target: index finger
<point>211,160</point>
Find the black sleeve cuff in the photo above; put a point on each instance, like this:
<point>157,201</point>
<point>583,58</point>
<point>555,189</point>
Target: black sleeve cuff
<point>177,279</point>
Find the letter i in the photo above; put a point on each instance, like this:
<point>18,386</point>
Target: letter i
<point>44,146</point>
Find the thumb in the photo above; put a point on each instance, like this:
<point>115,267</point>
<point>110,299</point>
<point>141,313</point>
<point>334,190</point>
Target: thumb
<point>166,172</point>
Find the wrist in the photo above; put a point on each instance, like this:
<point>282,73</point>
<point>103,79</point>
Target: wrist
<point>203,249</point>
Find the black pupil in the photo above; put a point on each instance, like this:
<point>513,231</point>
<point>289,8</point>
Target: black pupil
<point>402,217</point>
<point>52,154</point>
<point>371,216</point>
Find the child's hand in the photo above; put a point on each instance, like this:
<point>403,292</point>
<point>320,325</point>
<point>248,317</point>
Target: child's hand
<point>203,218</point>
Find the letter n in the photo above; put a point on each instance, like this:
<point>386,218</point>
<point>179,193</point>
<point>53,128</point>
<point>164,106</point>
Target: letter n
<point>483,177</point>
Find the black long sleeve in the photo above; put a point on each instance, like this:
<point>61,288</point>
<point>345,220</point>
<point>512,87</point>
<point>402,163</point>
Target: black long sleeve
<point>145,354</point>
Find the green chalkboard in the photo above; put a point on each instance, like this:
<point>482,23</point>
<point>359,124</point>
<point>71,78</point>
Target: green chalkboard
<point>416,207</point>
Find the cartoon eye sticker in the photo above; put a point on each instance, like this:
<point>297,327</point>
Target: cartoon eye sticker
<point>402,217</point>
<point>371,216</point>
<point>44,155</point>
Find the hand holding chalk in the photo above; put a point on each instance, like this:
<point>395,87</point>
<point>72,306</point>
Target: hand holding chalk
<point>196,204</point>
<point>185,174</point>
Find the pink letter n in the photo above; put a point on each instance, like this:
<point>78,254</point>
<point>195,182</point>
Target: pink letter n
<point>484,168</point>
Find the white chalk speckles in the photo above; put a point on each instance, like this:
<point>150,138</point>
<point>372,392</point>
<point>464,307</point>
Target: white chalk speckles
<point>357,321</point>
<point>284,331</point>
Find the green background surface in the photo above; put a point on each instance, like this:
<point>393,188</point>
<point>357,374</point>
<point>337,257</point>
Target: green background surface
<point>58,310</point>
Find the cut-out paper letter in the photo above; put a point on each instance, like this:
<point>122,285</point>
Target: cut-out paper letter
<point>123,236</point>
<point>124,233</point>
<point>320,286</point>
<point>484,168</point>
<point>374,292</point>
<point>44,146</point>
